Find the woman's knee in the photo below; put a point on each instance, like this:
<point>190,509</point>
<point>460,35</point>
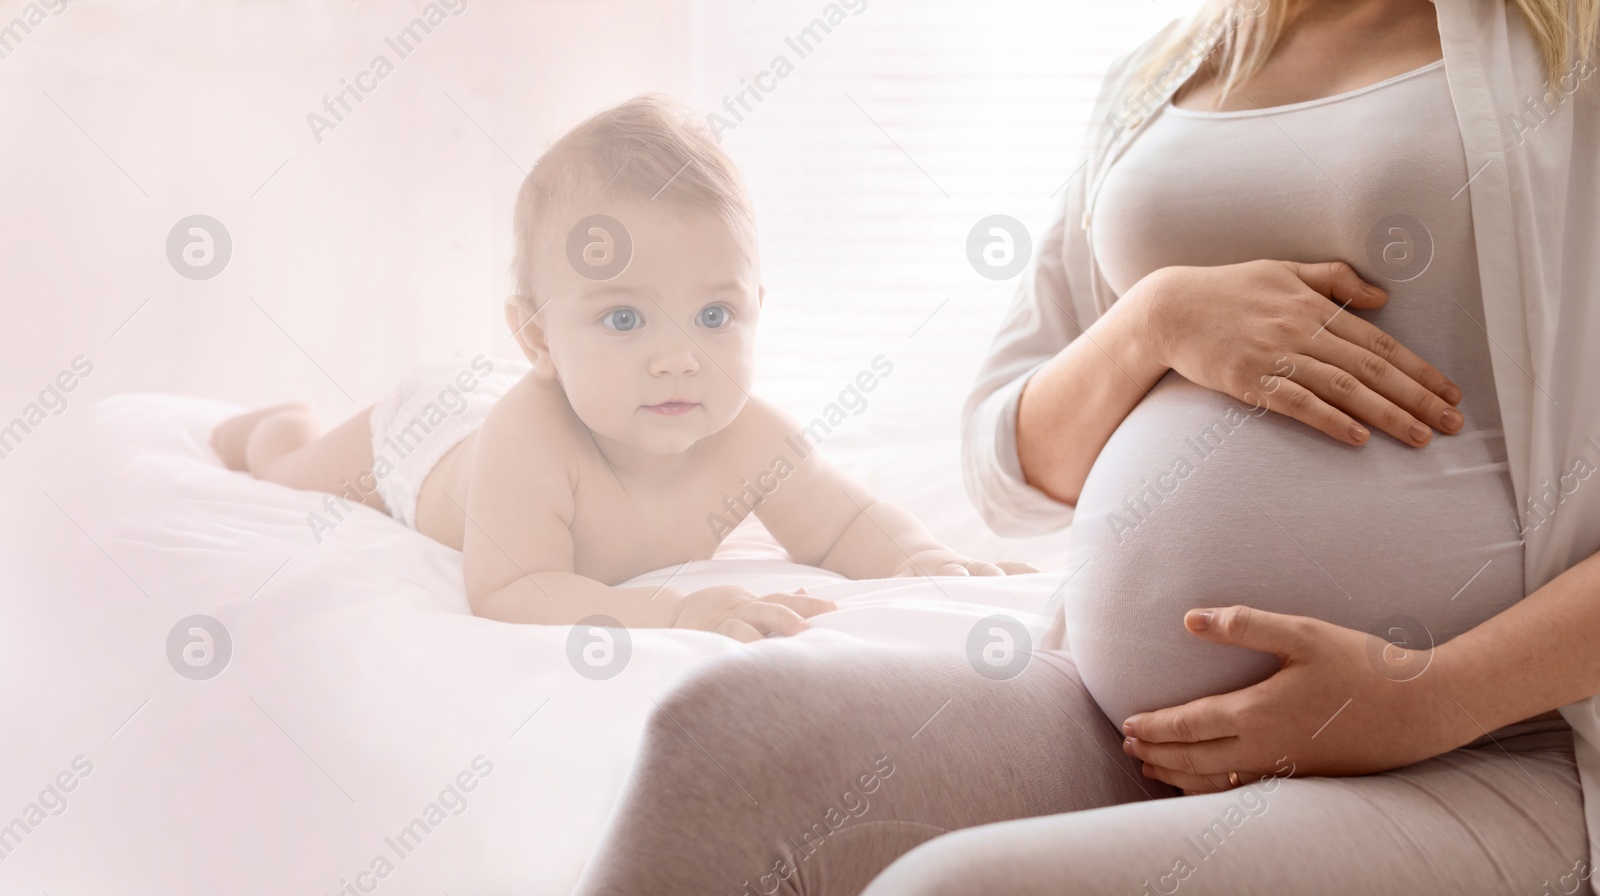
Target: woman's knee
<point>1023,857</point>
<point>957,864</point>
<point>728,705</point>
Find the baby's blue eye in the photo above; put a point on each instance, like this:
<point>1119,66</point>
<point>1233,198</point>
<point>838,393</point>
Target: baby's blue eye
<point>621,319</point>
<point>713,316</point>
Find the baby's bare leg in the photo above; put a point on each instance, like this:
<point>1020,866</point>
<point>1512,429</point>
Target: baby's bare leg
<point>282,444</point>
<point>231,438</point>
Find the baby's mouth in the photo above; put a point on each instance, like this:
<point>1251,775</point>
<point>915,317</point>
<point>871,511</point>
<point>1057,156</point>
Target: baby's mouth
<point>672,408</point>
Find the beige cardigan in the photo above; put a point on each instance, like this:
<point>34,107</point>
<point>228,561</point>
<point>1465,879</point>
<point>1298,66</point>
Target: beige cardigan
<point>1535,194</point>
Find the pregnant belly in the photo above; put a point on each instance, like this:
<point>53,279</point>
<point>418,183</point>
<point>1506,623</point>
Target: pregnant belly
<point>1199,500</point>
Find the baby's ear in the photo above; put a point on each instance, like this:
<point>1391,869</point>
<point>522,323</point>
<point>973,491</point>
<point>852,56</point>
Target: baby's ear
<point>528,332</point>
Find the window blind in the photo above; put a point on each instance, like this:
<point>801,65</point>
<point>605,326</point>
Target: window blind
<point>874,135</point>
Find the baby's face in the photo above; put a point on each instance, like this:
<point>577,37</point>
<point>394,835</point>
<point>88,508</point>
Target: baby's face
<point>663,354</point>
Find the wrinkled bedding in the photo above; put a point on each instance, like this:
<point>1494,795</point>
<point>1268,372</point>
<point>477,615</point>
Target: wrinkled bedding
<point>360,696</point>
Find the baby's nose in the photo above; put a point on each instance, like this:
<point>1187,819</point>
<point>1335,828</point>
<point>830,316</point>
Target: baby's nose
<point>674,360</point>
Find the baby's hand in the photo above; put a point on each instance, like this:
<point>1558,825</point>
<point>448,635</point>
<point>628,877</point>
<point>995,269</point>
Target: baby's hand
<point>743,615</point>
<point>945,562</point>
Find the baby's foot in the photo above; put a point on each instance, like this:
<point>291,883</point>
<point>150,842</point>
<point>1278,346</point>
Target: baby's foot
<point>231,438</point>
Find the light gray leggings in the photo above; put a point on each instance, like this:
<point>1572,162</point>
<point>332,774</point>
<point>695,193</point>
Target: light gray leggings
<point>825,768</point>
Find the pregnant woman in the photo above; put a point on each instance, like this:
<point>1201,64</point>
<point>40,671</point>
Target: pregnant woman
<point>1309,361</point>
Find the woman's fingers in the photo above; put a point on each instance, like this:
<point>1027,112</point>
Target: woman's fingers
<point>1379,393</point>
<point>1364,335</point>
<point>1206,719</point>
<point>1287,397</point>
<point>1191,785</point>
<point>1204,758</point>
<point>1017,567</point>
<point>1374,357</point>
<point>1340,388</point>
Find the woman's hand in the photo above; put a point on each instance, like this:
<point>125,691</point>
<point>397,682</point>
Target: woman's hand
<point>1273,334</point>
<point>945,562</point>
<point>1343,703</point>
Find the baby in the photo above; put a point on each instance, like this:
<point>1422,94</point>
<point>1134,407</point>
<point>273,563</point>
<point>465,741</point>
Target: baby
<point>629,440</point>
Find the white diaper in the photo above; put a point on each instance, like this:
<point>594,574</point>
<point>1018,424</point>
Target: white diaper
<point>430,411</point>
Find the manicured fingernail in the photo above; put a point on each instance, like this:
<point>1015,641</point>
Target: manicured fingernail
<point>1202,620</point>
<point>1358,433</point>
<point>1451,418</point>
<point>1452,393</point>
<point>1419,433</point>
<point>1128,743</point>
<point>1373,290</point>
<point>1127,727</point>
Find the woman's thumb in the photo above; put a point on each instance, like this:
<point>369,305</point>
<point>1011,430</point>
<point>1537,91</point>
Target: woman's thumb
<point>1246,627</point>
<point>1340,283</point>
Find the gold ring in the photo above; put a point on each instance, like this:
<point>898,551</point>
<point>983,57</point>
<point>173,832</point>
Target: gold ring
<point>1233,779</point>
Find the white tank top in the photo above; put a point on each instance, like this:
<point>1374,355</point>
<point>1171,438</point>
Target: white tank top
<point>1195,501</point>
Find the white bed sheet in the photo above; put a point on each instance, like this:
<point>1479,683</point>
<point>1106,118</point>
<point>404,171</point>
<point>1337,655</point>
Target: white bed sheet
<point>360,685</point>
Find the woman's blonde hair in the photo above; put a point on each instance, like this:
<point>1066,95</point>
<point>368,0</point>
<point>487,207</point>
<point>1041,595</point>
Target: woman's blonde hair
<point>1244,33</point>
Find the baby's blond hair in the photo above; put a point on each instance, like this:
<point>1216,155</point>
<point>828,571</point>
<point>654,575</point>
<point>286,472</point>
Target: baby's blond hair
<point>649,147</point>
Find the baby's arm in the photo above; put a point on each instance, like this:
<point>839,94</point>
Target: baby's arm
<point>518,550</point>
<point>517,546</point>
<point>824,518</point>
